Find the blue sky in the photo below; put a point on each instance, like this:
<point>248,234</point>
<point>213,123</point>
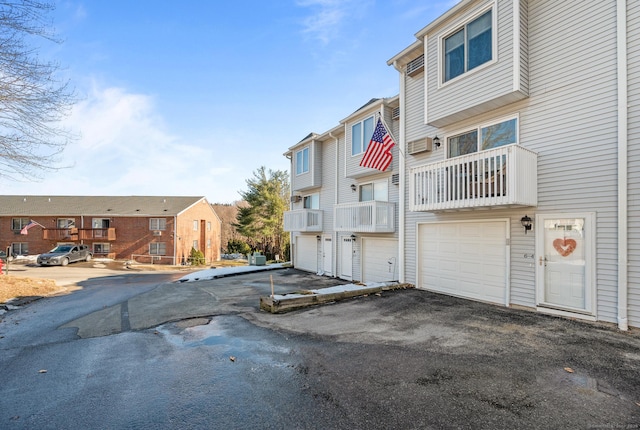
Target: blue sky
<point>190,98</point>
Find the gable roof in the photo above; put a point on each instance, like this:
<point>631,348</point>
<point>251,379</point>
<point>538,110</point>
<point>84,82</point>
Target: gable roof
<point>95,205</point>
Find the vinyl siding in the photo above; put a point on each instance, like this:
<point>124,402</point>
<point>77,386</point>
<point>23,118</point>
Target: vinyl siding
<point>572,123</point>
<point>524,46</point>
<point>633,53</point>
<point>328,190</point>
<point>352,163</point>
<point>569,122</point>
<point>357,175</point>
<point>312,178</point>
<point>415,129</point>
<point>490,86</point>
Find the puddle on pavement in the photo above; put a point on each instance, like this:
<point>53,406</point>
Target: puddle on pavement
<point>218,337</point>
<point>588,383</point>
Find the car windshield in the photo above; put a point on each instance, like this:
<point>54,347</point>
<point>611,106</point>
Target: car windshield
<point>61,248</point>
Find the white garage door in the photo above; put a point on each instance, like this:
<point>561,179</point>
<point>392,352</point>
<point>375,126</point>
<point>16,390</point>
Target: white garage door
<point>379,260</point>
<point>306,253</point>
<point>466,259</point>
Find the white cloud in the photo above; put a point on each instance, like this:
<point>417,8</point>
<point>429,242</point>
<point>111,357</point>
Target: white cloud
<point>125,149</point>
<point>328,16</point>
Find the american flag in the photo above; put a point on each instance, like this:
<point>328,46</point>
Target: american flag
<point>378,155</point>
<point>25,229</point>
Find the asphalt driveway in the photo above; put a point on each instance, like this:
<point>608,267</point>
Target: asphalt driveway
<point>400,359</point>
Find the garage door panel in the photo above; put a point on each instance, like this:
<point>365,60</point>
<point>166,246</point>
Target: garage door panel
<point>307,253</point>
<point>469,231</point>
<point>466,259</point>
<point>377,254</point>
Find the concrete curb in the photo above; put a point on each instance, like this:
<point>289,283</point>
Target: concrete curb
<point>278,304</point>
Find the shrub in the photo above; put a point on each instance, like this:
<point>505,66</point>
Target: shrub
<point>236,246</point>
<point>196,257</point>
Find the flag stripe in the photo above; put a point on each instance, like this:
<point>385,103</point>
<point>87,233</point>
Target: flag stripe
<point>25,229</point>
<point>378,155</point>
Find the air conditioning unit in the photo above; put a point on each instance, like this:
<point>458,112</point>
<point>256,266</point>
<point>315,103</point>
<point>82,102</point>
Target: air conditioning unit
<point>421,145</point>
<point>296,199</point>
<point>157,233</point>
<point>415,66</point>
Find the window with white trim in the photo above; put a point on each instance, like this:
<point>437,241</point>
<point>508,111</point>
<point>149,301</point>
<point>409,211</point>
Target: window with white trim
<point>302,161</point>
<point>491,135</point>
<point>468,46</point>
<point>312,201</point>
<point>18,224</point>
<point>208,225</point>
<point>195,225</point>
<point>361,133</point>
<point>157,248</point>
<point>65,222</point>
<point>378,191</point>
<point>195,245</point>
<point>157,223</point>
<point>20,248</point>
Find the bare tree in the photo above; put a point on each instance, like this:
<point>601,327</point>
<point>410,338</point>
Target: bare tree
<point>32,100</point>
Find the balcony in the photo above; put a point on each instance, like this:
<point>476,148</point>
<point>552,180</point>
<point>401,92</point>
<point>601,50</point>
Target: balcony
<point>97,233</point>
<point>73,234</point>
<point>303,220</point>
<point>60,234</point>
<point>502,177</point>
<point>365,217</point>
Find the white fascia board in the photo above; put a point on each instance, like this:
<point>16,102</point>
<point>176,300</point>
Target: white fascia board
<point>453,11</point>
<point>407,51</point>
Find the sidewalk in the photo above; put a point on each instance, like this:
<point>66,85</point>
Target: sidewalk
<point>209,274</point>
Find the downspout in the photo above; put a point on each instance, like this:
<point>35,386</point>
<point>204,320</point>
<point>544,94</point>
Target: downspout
<point>334,246</point>
<point>402,161</point>
<point>623,282</point>
<point>175,241</point>
<point>290,207</point>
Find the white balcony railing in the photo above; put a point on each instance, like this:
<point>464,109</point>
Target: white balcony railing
<point>505,176</point>
<point>365,217</point>
<point>304,220</point>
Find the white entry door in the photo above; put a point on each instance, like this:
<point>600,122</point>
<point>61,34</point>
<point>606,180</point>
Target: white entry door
<point>346,258</point>
<point>565,261</point>
<point>327,256</point>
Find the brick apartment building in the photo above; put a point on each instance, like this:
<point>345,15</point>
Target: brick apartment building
<point>142,228</point>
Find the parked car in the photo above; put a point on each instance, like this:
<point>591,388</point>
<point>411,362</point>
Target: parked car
<point>62,255</point>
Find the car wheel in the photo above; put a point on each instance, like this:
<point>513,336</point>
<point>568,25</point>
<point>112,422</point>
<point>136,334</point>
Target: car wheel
<point>65,261</point>
<point>88,258</point>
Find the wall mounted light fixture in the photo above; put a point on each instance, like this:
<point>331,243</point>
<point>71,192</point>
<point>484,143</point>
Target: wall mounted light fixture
<point>354,187</point>
<point>526,223</point>
<point>436,141</point>
<point>353,237</point>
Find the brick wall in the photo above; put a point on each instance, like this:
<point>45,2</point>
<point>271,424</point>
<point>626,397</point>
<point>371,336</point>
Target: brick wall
<point>133,235</point>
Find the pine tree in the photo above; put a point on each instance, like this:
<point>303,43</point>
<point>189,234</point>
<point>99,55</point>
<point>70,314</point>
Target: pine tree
<point>262,220</point>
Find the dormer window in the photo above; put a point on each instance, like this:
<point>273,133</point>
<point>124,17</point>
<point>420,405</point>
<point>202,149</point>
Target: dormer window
<point>469,46</point>
<point>302,161</point>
